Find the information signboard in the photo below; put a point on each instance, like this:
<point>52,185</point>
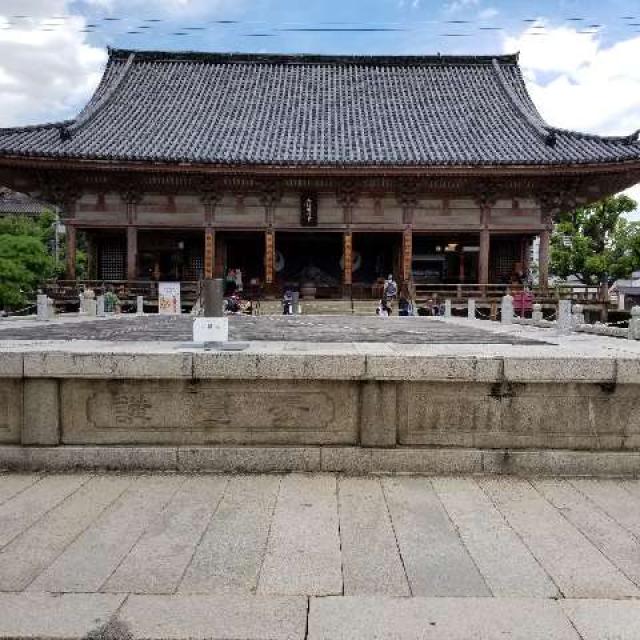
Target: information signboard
<point>169,298</point>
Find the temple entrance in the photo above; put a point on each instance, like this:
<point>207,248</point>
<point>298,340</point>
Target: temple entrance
<point>312,259</point>
<point>244,251</point>
<point>170,256</point>
<point>375,256</point>
<point>450,259</point>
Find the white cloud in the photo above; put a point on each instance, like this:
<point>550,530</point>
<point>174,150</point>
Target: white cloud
<point>578,83</point>
<point>44,74</point>
<point>460,5</point>
<point>488,13</point>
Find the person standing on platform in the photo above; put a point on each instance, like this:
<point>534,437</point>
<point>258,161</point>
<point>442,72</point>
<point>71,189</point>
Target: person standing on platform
<point>390,288</point>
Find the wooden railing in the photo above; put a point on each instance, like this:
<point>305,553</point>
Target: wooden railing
<point>66,292</point>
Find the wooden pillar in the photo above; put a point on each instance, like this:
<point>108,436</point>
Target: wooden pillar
<point>483,258</point>
<point>407,255</point>
<point>543,259</point>
<point>92,254</point>
<point>461,274</point>
<point>71,252</point>
<point>132,253</point>
<point>209,253</point>
<point>269,256</point>
<point>347,259</point>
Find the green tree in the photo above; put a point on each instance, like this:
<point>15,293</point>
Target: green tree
<point>24,259</point>
<point>596,242</point>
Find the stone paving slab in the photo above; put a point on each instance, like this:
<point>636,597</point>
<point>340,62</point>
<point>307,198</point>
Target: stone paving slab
<point>364,518</point>
<point>303,551</point>
<point>54,617</point>
<point>362,618</point>
<point>89,561</point>
<point>575,565</point>
<point>435,558</point>
<point>227,617</point>
<point>229,556</point>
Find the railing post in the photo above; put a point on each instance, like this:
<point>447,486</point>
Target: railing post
<point>536,314</point>
<point>564,315</point>
<point>634,324</point>
<point>471,309</point>
<point>506,309</point>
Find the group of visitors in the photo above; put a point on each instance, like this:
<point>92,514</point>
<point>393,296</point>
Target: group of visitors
<point>390,294</point>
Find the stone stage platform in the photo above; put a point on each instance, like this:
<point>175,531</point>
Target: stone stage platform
<point>315,329</point>
<point>471,396</point>
<point>317,557</point>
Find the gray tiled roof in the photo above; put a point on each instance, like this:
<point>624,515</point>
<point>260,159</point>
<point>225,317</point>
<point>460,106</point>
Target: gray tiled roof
<point>19,204</point>
<point>315,111</point>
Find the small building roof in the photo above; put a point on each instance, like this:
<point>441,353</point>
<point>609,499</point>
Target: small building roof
<point>241,109</point>
<point>19,204</point>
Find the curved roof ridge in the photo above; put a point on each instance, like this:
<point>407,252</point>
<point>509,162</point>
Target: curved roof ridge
<point>536,122</point>
<point>308,58</point>
<point>628,139</point>
<point>35,127</point>
<point>92,109</point>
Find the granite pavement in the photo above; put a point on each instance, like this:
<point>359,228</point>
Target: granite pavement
<point>318,556</point>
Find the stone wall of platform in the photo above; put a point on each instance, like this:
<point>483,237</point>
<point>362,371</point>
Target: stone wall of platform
<point>216,398</point>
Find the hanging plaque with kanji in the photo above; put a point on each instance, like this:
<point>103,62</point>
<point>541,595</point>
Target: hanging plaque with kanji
<point>309,210</point>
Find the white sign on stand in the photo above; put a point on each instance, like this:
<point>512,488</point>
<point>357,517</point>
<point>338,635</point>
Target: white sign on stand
<point>169,298</point>
<point>210,330</point>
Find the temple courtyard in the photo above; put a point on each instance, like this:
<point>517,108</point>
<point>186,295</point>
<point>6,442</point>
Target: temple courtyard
<point>318,556</point>
<point>337,478</point>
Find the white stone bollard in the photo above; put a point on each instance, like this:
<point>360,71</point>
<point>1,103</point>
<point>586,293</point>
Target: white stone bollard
<point>620,301</point>
<point>140,305</point>
<point>537,315</point>
<point>42,307</point>
<point>471,309</point>
<point>82,308</point>
<point>577,317</point>
<point>634,324</point>
<point>90,307</point>
<point>447,308</point>
<point>564,315</point>
<point>506,310</point>
<point>100,307</point>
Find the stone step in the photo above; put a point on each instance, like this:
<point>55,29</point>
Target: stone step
<point>221,617</point>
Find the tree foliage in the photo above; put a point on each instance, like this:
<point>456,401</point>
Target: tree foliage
<point>596,243</point>
<point>24,258</point>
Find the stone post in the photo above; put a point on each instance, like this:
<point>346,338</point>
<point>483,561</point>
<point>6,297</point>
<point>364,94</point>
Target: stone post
<point>139,305</point>
<point>90,306</point>
<point>100,306</point>
<point>577,316</point>
<point>506,309</point>
<point>634,324</point>
<point>82,306</point>
<point>620,301</point>
<point>536,315</point>
<point>43,307</point>
<point>564,315</point>
<point>447,308</point>
<point>471,309</point>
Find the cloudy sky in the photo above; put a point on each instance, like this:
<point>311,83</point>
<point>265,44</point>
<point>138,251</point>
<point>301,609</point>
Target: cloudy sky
<point>581,57</point>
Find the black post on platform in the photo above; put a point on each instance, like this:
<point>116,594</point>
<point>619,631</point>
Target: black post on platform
<point>212,297</point>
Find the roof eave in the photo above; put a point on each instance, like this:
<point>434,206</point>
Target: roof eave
<point>143,166</point>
